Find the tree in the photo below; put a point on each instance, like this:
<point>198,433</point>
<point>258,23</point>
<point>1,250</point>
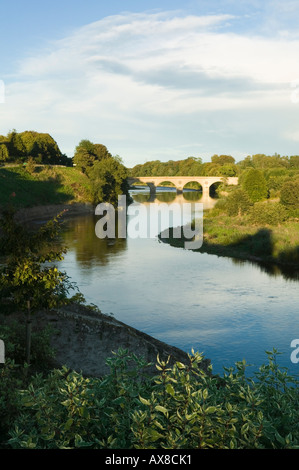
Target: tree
<point>41,147</point>
<point>29,281</point>
<point>294,161</point>
<point>17,149</point>
<point>289,195</point>
<point>222,159</point>
<point>4,155</point>
<point>238,202</point>
<point>109,180</point>
<point>255,185</point>
<point>87,153</point>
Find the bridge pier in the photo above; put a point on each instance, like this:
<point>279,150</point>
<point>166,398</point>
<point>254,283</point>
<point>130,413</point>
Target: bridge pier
<point>205,190</point>
<point>152,188</point>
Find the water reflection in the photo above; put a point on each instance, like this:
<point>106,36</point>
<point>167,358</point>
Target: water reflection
<point>80,238</point>
<point>226,308</point>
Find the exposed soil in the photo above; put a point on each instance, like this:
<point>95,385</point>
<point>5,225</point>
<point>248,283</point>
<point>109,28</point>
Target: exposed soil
<point>83,339</point>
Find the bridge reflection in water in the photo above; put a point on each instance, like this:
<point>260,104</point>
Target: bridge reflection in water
<point>170,195</point>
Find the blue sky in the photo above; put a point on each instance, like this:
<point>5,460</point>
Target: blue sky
<point>154,80</point>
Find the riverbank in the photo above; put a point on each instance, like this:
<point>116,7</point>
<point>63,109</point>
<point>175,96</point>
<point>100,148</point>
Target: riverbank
<point>83,338</point>
<point>43,186</point>
<point>40,214</point>
<point>271,247</point>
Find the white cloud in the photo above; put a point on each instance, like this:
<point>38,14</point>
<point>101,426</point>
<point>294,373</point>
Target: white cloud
<point>131,81</point>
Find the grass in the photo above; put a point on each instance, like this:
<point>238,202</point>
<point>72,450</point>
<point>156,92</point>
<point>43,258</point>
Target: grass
<point>237,238</point>
<point>45,185</point>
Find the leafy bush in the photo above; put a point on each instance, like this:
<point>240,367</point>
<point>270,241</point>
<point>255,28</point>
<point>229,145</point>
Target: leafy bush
<point>289,195</point>
<point>11,380</point>
<point>238,202</point>
<point>268,213</point>
<point>181,407</point>
<point>14,336</point>
<point>255,185</point>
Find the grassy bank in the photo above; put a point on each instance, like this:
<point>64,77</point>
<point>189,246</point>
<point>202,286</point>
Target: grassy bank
<point>237,238</point>
<point>43,185</point>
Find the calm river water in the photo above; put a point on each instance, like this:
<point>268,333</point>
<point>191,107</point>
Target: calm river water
<point>227,310</point>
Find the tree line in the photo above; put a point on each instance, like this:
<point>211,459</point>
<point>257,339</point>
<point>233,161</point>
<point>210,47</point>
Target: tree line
<point>19,147</point>
<point>220,165</point>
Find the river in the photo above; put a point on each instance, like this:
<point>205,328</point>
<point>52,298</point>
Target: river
<point>226,309</point>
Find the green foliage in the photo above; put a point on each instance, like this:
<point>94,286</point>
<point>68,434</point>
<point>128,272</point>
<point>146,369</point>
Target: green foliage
<point>108,177</point>
<point>255,185</point>
<point>4,154</point>
<point>289,195</point>
<point>29,279</point>
<point>46,185</point>
<point>222,159</point>
<point>30,166</point>
<point>39,146</point>
<point>238,202</point>
<point>268,213</point>
<point>182,407</point>
<point>107,174</point>
<point>294,161</point>
<point>11,381</point>
<point>87,153</point>
<point>27,274</point>
<point>13,333</point>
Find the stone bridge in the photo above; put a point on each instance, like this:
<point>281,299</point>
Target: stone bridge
<point>180,181</point>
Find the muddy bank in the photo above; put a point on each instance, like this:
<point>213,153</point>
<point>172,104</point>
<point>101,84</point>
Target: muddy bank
<point>84,339</point>
<point>44,213</point>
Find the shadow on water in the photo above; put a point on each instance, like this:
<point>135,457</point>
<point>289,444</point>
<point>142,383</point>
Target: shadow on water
<point>256,249</point>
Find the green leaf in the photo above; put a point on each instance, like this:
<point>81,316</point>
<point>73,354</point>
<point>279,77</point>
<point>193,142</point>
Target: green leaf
<point>181,365</point>
<point>162,409</point>
<point>210,409</point>
<point>68,424</point>
<point>170,389</point>
<point>144,401</point>
<point>154,435</point>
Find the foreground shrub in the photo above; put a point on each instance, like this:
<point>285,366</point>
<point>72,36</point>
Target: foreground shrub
<point>181,407</point>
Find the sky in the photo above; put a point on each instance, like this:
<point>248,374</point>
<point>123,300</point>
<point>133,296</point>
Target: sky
<point>155,80</point>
